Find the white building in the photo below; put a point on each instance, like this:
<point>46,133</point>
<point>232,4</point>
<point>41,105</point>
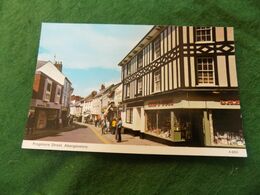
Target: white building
<point>87,108</point>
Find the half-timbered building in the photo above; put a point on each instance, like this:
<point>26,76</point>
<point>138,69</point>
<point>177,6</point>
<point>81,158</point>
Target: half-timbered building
<point>180,85</point>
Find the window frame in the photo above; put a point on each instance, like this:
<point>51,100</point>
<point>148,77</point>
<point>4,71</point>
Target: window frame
<point>138,81</point>
<point>129,116</point>
<point>128,68</point>
<point>202,70</point>
<point>155,90</point>
<point>140,56</point>
<point>200,33</point>
<point>127,94</point>
<point>157,47</point>
<point>57,96</point>
<point>47,92</point>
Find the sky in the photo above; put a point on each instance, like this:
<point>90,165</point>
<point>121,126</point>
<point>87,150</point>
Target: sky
<point>90,53</point>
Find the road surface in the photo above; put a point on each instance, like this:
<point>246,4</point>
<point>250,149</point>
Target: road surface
<point>82,135</point>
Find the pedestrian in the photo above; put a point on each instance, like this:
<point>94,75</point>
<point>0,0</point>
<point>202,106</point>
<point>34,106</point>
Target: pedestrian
<point>108,126</point>
<point>113,124</point>
<point>30,123</point>
<point>96,122</point>
<point>118,130</point>
<point>103,126</point>
<point>70,120</point>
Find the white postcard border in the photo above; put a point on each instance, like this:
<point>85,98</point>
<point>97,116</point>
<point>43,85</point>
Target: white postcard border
<point>133,149</point>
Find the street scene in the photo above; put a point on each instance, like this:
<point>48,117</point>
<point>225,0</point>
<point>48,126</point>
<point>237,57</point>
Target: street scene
<point>136,85</point>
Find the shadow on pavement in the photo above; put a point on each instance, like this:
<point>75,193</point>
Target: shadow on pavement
<point>37,134</point>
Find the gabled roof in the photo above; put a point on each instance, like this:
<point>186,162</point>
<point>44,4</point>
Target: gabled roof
<point>49,69</point>
<point>40,63</point>
<point>150,36</point>
<point>103,91</point>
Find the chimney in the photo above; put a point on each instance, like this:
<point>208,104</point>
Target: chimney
<point>102,87</point>
<point>58,65</point>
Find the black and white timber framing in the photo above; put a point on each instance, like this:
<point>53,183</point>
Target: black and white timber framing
<point>186,67</point>
<point>177,61</point>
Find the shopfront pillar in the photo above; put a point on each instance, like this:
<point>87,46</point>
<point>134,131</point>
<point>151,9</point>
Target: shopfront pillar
<point>206,128</point>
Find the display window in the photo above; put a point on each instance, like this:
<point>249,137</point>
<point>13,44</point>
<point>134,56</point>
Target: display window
<point>159,123</point>
<point>169,124</point>
<point>226,131</point>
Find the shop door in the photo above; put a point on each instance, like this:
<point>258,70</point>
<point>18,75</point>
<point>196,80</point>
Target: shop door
<point>197,128</point>
<point>42,120</point>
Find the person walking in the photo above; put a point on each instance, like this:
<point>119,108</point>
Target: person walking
<point>118,130</point>
<point>103,126</point>
<point>108,126</point>
<point>30,124</point>
<point>113,124</point>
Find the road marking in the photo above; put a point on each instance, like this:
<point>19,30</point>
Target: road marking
<point>105,141</point>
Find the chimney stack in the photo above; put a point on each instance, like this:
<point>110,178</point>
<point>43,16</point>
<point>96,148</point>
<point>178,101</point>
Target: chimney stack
<point>58,65</point>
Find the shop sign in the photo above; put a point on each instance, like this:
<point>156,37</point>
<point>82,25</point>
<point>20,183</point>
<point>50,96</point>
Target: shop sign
<point>41,105</point>
<point>160,103</point>
<point>229,102</point>
<point>47,105</point>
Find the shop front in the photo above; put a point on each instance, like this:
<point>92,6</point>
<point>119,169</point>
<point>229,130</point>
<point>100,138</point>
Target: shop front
<point>227,128</point>
<point>47,114</point>
<point>176,125</point>
<point>195,122</point>
<point>47,118</point>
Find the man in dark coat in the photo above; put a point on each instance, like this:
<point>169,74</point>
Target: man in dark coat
<point>30,123</point>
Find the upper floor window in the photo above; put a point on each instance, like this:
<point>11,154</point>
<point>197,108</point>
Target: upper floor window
<point>157,48</point>
<point>203,34</point>
<point>124,71</point>
<point>140,60</point>
<point>48,88</point>
<point>205,71</point>
<point>58,94</point>
<point>139,86</point>
<point>129,68</point>
<point>157,81</point>
<point>127,95</point>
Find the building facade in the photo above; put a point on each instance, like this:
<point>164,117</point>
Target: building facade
<point>112,102</point>
<point>180,85</point>
<point>76,106</point>
<point>87,108</point>
<point>47,98</point>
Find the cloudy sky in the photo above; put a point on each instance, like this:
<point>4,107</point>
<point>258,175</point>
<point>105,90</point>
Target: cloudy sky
<point>90,53</point>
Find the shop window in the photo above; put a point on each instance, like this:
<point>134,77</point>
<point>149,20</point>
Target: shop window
<point>159,123</point>
<point>48,88</point>
<point>203,34</point>
<point>140,60</point>
<point>205,71</point>
<point>157,48</point>
<point>139,86</point>
<point>171,125</point>
<point>129,115</point>
<point>227,126</point>
<point>157,81</point>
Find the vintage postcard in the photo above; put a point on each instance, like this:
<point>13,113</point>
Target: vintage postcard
<point>139,89</point>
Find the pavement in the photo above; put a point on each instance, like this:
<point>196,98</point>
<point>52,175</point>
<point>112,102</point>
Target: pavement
<point>86,133</point>
<point>127,139</point>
